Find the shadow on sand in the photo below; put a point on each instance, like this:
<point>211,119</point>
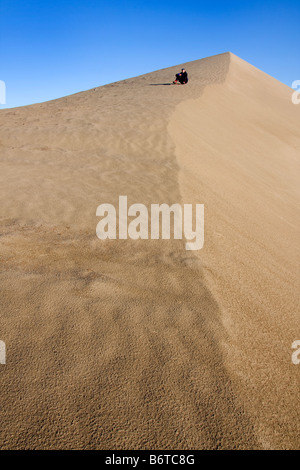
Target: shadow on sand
<point>160,84</point>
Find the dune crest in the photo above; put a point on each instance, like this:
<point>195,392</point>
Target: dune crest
<point>237,148</point>
<point>139,344</point>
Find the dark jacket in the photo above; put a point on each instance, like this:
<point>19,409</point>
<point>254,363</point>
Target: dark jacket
<point>182,77</point>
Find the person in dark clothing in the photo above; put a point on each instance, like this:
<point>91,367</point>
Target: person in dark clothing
<point>181,77</point>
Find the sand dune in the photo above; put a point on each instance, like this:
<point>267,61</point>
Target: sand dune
<point>123,344</point>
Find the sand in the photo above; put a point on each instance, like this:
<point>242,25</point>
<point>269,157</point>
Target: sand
<point>124,344</point>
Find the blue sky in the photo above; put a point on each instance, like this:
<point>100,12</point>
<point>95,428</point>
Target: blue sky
<point>55,48</point>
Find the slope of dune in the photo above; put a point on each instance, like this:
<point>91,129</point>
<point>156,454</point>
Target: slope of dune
<point>123,344</point>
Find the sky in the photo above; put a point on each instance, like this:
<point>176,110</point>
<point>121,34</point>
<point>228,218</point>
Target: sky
<point>51,49</point>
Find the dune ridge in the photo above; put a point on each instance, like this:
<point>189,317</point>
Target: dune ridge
<point>238,150</point>
<point>134,344</point>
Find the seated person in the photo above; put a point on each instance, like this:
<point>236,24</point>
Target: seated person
<point>181,77</point>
